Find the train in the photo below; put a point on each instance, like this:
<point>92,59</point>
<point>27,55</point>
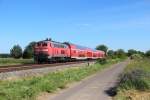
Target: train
<point>52,51</point>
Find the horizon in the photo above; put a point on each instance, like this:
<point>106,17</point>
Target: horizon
<point>116,24</point>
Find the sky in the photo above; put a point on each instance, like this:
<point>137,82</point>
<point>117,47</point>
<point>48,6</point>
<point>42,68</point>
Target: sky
<point>116,23</point>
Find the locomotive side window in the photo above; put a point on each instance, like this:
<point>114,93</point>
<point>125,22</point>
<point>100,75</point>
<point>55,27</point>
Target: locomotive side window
<point>57,45</point>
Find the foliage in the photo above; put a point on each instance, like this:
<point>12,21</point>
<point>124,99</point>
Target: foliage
<point>102,61</point>
<point>29,51</point>
<point>120,53</point>
<point>147,54</point>
<point>140,53</point>
<point>111,53</point>
<point>131,52</point>
<point>103,48</point>
<point>136,57</point>
<point>16,52</point>
<point>29,88</point>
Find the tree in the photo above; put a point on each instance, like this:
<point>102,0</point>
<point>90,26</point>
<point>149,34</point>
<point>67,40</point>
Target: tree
<point>103,48</point>
<point>131,52</point>
<point>111,53</point>
<point>147,54</point>
<point>29,50</point>
<point>16,52</point>
<point>120,53</point>
<point>141,53</point>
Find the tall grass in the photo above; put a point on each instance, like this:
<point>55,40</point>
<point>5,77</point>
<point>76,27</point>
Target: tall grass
<point>135,77</point>
<point>29,88</point>
<point>12,61</point>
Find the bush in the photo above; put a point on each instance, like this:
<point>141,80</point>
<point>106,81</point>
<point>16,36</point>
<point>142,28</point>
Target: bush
<point>16,52</point>
<point>111,54</point>
<point>134,79</point>
<point>102,61</point>
<point>136,56</point>
<point>120,53</point>
<point>147,54</point>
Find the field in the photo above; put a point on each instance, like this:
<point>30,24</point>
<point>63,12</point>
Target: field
<point>12,61</point>
<point>135,81</point>
<point>29,88</point>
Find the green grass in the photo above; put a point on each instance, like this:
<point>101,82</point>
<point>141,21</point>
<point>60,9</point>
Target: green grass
<point>12,61</point>
<point>29,88</point>
<point>136,77</point>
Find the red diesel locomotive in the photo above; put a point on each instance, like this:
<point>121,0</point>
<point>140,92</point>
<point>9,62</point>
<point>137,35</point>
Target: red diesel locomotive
<point>51,51</point>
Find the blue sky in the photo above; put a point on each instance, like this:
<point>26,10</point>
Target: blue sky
<point>116,23</point>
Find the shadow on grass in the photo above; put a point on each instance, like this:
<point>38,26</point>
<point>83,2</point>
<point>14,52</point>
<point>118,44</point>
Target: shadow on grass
<point>112,91</point>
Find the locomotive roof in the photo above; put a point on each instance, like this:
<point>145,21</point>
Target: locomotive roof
<point>51,41</point>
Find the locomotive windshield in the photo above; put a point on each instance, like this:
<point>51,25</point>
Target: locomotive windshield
<point>44,44</point>
<point>38,44</point>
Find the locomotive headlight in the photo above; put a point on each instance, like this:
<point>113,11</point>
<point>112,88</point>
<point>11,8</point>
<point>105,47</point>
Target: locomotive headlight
<point>45,50</point>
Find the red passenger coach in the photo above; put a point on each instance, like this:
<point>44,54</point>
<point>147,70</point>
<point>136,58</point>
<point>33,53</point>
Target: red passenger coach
<point>80,52</point>
<point>51,51</point>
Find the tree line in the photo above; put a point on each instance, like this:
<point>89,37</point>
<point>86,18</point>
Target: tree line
<point>28,53</point>
<point>120,53</point>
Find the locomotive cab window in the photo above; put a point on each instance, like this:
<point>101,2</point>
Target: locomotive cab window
<point>38,44</point>
<point>44,44</point>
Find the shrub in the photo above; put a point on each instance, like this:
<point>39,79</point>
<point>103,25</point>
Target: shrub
<point>134,79</point>
<point>102,61</point>
<point>120,53</point>
<point>111,54</point>
<point>136,56</point>
<point>147,54</point>
<point>16,52</point>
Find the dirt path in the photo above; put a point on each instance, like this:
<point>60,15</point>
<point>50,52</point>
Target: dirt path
<point>96,87</point>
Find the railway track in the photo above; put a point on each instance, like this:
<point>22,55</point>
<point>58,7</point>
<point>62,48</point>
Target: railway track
<point>34,66</point>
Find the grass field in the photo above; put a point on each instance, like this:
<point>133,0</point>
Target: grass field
<point>12,61</point>
<point>29,88</point>
<point>135,81</point>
